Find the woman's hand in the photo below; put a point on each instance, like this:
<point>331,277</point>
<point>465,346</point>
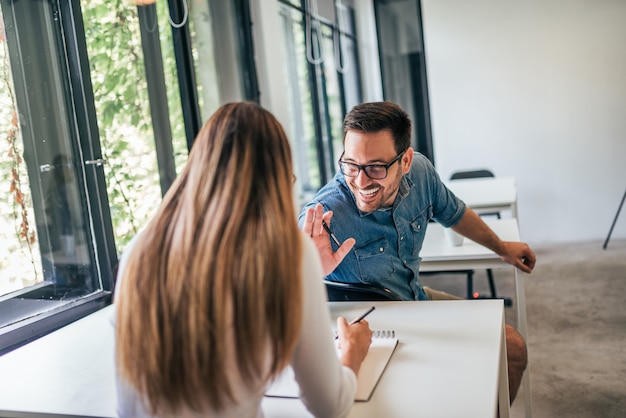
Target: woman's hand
<point>354,342</point>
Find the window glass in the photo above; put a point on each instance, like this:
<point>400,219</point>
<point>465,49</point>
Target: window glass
<point>332,107</point>
<point>215,49</point>
<point>96,80</point>
<point>351,74</point>
<point>323,82</point>
<point>117,35</point>
<point>403,61</point>
<point>48,257</point>
<point>297,84</point>
<point>20,258</point>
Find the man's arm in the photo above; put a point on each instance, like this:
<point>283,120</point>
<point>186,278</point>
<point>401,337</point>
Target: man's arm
<point>518,254</point>
<point>313,227</point>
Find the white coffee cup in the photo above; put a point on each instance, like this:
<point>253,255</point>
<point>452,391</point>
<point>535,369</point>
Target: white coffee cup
<point>454,239</point>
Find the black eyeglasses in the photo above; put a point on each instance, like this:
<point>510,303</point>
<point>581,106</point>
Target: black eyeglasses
<point>373,171</point>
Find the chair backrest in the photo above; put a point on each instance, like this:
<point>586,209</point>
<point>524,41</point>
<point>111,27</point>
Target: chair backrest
<point>338,292</point>
<point>471,174</point>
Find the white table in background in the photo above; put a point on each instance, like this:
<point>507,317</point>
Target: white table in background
<point>487,194</point>
<point>450,361</point>
<point>438,255</point>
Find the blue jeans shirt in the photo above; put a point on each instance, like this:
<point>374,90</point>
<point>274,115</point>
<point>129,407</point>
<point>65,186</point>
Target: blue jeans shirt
<point>388,241</point>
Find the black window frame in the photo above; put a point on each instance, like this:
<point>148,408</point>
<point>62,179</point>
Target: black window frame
<point>422,140</point>
<point>326,160</point>
<point>78,100</point>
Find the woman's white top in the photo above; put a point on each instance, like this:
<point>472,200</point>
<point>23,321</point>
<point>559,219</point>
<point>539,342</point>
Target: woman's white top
<point>327,387</point>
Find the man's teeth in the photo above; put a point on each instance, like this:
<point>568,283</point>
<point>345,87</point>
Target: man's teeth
<point>370,191</point>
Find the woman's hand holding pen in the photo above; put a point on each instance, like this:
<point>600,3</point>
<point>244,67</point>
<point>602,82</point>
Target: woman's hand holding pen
<point>314,227</point>
<point>354,341</point>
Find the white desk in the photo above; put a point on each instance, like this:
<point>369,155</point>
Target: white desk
<point>488,194</point>
<point>451,361</point>
<point>448,363</point>
<point>438,255</point>
<point>70,372</point>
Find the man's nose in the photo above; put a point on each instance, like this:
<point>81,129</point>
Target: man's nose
<point>362,179</point>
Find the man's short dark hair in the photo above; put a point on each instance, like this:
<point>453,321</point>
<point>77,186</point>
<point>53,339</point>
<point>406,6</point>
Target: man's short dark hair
<point>374,117</point>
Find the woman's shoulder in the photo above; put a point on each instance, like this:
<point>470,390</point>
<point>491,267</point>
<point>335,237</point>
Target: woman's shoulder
<point>123,260</point>
<point>309,251</point>
<point>311,262</point>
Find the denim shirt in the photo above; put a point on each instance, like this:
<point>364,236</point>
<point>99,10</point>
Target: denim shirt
<point>389,240</point>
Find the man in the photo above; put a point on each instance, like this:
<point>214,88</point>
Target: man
<point>381,201</point>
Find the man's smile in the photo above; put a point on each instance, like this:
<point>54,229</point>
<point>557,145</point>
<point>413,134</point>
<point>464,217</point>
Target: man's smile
<point>369,191</point>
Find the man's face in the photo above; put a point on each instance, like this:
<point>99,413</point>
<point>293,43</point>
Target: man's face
<point>374,148</point>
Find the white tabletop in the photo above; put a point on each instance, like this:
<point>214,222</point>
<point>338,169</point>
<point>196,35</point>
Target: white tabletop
<point>437,252</point>
<point>447,364</point>
<point>438,255</point>
<point>487,194</point>
<point>68,372</point>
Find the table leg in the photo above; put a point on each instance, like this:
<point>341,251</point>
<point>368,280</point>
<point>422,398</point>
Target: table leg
<point>523,330</point>
<point>504,407</point>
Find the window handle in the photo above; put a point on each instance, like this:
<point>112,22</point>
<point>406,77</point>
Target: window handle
<point>98,162</point>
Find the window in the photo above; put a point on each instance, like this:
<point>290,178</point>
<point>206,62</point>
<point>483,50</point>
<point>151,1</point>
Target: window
<point>403,64</point>
<point>336,54</point>
<point>53,218</point>
<point>214,57</point>
<point>99,102</point>
<point>323,83</point>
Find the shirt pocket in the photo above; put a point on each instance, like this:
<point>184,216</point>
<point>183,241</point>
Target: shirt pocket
<point>374,260</point>
<point>418,228</point>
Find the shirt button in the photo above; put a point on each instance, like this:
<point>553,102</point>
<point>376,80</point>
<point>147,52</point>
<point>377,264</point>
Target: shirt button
<point>401,238</point>
<point>381,249</point>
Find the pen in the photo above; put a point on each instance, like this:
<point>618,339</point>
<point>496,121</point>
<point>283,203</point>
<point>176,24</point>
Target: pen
<point>360,318</point>
<point>356,321</point>
<point>332,236</point>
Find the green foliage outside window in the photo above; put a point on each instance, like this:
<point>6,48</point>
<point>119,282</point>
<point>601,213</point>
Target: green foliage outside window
<point>122,104</point>
<point>118,79</point>
<point>19,251</point>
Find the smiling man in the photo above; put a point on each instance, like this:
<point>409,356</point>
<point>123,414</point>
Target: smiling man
<point>379,204</point>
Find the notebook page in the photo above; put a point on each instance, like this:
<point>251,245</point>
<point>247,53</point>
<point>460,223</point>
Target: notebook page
<point>373,366</point>
<point>378,356</point>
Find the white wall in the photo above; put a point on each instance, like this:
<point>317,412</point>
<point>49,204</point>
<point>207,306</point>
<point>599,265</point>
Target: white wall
<point>534,89</point>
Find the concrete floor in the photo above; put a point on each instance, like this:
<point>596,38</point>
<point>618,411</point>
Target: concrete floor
<point>576,303</point>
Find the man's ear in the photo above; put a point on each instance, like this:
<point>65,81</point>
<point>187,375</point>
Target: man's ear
<point>407,159</point>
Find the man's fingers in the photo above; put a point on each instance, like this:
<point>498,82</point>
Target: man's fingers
<point>525,264</point>
<point>345,248</point>
<point>523,267</point>
<point>317,220</point>
<point>309,217</point>
<point>528,263</point>
<point>327,217</point>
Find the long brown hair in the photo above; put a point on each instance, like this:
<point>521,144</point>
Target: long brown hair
<point>222,255</point>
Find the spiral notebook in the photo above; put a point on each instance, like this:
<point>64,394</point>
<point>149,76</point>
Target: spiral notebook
<point>382,348</point>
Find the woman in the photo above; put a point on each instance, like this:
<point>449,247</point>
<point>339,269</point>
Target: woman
<point>221,291</point>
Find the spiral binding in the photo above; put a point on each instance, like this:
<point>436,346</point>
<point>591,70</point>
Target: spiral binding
<point>383,333</point>
<point>377,333</point>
